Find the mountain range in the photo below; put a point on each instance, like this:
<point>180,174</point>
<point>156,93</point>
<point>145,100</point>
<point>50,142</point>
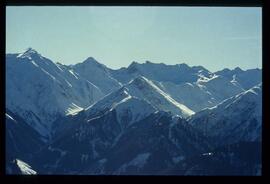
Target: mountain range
<point>146,119</point>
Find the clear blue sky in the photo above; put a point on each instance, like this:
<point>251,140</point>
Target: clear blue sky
<point>214,37</point>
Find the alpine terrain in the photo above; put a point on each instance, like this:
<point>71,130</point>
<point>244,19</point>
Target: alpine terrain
<point>144,119</point>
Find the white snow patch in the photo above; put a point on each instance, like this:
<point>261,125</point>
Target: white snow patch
<point>207,154</point>
<point>122,101</point>
<point>72,73</point>
<point>234,80</point>
<point>120,84</point>
<point>73,109</point>
<point>34,63</point>
<point>93,84</point>
<point>57,65</point>
<point>184,108</point>
<point>25,168</point>
<point>93,118</point>
<point>48,74</point>
<point>205,79</point>
<point>20,55</point>
<point>10,117</point>
<point>68,83</point>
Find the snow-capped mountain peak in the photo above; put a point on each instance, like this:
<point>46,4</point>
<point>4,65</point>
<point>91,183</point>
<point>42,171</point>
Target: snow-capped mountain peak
<point>127,106</point>
<point>40,90</point>
<point>140,80</point>
<point>144,88</point>
<point>141,89</point>
<point>108,100</point>
<point>29,53</point>
<point>98,74</point>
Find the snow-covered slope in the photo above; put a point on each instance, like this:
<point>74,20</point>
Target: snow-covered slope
<point>25,168</point>
<point>192,95</point>
<point>98,74</point>
<point>21,141</point>
<point>19,167</point>
<point>39,90</point>
<point>238,118</point>
<point>246,78</point>
<point>205,92</point>
<point>143,88</point>
<point>128,108</point>
<point>219,87</point>
<point>195,87</point>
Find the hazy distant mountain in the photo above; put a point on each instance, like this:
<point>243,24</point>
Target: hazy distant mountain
<point>205,92</point>
<point>246,78</point>
<point>98,74</point>
<point>195,87</point>
<point>161,72</point>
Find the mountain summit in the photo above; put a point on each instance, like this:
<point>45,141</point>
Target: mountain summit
<point>29,53</point>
